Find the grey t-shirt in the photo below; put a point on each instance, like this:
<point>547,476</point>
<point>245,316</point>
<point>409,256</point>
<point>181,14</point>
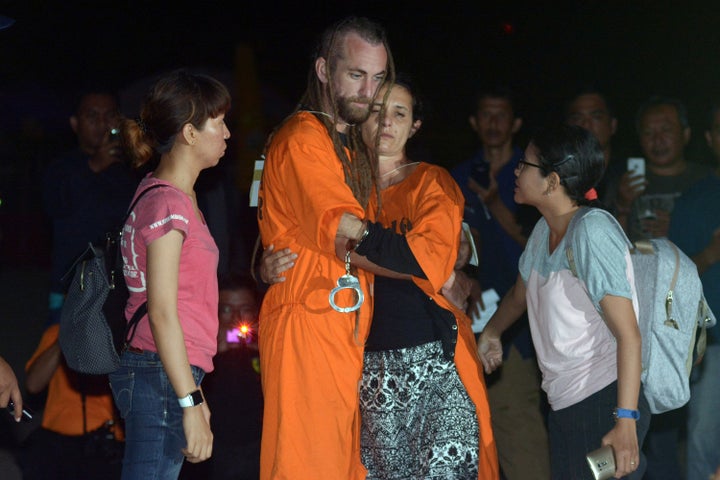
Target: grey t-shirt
<point>660,194</point>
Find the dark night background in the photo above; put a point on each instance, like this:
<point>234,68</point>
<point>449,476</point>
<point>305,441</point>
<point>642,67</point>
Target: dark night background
<point>630,50</point>
<point>544,50</point>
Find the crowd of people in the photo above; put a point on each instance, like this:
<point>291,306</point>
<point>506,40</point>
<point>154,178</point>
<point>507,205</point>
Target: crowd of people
<point>359,360</point>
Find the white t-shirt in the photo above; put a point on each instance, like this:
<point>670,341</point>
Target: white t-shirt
<point>576,350</point>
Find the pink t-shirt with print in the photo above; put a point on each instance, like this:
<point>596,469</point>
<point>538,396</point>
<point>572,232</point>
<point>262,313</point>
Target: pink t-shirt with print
<point>158,212</point>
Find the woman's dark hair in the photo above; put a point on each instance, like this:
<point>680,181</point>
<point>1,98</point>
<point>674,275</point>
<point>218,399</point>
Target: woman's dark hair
<point>418,107</point>
<point>575,155</point>
<point>175,100</point>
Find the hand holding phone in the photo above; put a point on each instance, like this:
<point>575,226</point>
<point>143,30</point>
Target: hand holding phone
<point>27,414</point>
<point>636,167</point>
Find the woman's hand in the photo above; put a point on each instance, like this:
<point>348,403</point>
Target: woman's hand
<point>490,349</point>
<point>196,425</point>
<point>273,264</point>
<point>623,438</point>
<point>457,289</point>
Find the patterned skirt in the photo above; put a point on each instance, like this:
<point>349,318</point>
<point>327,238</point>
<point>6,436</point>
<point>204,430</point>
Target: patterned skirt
<point>418,421</point>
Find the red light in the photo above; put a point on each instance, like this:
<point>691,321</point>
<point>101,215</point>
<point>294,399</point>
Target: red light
<point>508,28</point>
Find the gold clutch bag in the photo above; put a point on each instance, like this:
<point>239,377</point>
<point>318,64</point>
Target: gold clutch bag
<point>602,462</point>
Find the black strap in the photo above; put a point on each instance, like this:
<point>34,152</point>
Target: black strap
<point>133,323</point>
<point>142,309</point>
<point>132,205</point>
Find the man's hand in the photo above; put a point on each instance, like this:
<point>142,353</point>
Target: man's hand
<point>457,289</point>
<point>273,264</point>
<point>9,389</point>
<point>657,227</point>
<point>486,195</point>
<point>476,300</point>
<point>629,189</point>
<point>109,152</point>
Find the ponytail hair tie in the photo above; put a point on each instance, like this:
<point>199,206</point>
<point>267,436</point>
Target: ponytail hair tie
<point>591,195</point>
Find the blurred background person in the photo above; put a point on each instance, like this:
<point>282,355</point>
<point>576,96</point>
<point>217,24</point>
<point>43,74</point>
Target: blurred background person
<point>500,227</point>
<point>695,228</point>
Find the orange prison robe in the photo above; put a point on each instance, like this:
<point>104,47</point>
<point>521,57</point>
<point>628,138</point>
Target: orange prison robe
<point>427,207</point>
<point>63,408</point>
<point>310,355</point>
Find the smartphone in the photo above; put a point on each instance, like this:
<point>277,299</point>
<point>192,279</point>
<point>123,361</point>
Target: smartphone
<point>636,166</point>
<point>113,135</point>
<point>27,414</point>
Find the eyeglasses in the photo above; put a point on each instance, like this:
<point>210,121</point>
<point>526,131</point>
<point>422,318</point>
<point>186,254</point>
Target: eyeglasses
<point>522,163</point>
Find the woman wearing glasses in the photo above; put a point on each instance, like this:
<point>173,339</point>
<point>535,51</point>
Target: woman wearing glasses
<point>583,324</point>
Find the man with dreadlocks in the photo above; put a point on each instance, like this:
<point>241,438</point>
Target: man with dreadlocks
<point>317,181</point>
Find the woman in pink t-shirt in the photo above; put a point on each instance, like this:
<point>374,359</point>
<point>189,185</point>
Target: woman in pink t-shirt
<point>170,262</point>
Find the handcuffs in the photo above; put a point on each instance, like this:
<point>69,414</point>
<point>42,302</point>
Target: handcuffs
<point>347,281</point>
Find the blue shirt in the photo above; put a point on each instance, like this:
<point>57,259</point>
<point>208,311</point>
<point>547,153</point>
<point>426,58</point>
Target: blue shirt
<point>695,218</point>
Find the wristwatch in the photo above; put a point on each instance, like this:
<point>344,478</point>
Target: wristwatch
<point>625,413</point>
<point>191,399</point>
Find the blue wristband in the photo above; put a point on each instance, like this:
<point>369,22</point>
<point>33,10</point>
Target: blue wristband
<point>625,413</point>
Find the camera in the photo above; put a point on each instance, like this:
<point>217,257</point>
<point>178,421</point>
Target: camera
<point>241,334</point>
<point>113,135</point>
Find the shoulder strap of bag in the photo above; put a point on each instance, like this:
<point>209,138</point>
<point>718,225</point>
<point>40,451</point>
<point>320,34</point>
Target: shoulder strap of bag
<point>142,309</point>
<point>569,233</point>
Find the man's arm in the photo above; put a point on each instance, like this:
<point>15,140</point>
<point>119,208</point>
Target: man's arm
<point>491,199</point>
<point>710,255</point>
<point>43,368</point>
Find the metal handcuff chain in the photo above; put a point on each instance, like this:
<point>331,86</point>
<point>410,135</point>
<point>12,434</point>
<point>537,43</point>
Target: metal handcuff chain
<point>347,281</point>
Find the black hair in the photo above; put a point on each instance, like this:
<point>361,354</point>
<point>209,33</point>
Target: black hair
<point>503,92</point>
<point>658,101</point>
<point>176,99</point>
<point>575,155</point>
<point>590,89</point>
<point>238,281</point>
<point>418,106</point>
<point>87,90</point>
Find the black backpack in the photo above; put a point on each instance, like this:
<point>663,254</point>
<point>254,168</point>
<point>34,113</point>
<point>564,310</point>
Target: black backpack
<point>93,329</point>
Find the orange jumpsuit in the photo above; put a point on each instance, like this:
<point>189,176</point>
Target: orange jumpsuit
<point>63,408</point>
<point>428,207</point>
<point>310,355</point>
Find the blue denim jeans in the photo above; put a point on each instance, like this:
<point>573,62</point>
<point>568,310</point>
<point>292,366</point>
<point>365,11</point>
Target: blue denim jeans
<point>578,429</point>
<point>154,434</point>
<point>703,427</point>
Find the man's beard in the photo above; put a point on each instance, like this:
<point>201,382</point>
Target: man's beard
<point>353,114</point>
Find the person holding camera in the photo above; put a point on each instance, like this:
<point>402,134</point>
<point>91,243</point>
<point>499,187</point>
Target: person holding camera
<point>86,193</point>
<point>487,181</point>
